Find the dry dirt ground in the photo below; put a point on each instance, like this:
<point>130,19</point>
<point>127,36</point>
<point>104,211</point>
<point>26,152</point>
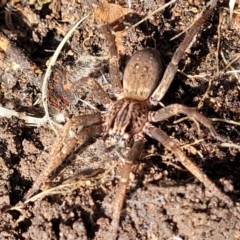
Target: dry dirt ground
<point>164,201</point>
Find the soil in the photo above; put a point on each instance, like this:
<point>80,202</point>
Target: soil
<point>164,201</point>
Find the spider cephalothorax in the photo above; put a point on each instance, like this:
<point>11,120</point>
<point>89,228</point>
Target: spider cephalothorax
<point>125,120</point>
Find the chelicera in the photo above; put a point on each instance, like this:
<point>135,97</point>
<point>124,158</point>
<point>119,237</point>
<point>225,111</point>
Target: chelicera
<point>128,119</point>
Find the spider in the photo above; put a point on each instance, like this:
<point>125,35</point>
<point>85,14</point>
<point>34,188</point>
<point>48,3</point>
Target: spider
<point>129,118</point>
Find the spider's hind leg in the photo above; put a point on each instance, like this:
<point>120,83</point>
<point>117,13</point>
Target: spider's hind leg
<point>171,69</point>
<point>113,58</point>
<point>98,93</point>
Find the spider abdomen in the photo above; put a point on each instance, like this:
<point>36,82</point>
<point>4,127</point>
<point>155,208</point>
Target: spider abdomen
<point>142,74</point>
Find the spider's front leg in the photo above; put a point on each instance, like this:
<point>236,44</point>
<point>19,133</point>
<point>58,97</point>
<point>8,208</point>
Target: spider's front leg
<point>167,142</point>
<point>87,126</point>
<point>133,154</point>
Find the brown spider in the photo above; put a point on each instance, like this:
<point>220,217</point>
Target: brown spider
<point>128,119</point>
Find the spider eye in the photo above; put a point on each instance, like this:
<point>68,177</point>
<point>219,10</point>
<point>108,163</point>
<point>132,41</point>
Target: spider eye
<point>121,140</point>
<point>122,143</point>
<point>111,141</point>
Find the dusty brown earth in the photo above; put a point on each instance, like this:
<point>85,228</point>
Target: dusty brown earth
<point>164,201</point>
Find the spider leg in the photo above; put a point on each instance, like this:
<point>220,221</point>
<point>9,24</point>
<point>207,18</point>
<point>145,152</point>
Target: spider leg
<point>171,70</point>
<point>96,89</point>
<point>167,142</point>
<point>175,109</point>
<point>60,150</point>
<point>114,58</point>
<point>133,154</point>
<point>102,14</point>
